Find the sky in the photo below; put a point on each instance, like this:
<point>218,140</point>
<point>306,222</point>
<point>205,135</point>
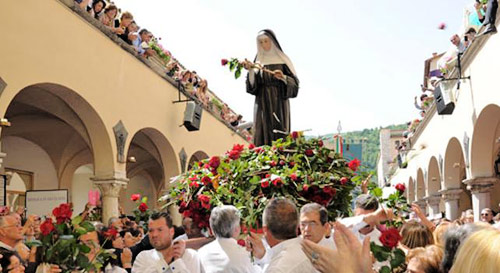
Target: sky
<point>360,62</point>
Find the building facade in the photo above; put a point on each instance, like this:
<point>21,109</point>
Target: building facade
<point>86,111</point>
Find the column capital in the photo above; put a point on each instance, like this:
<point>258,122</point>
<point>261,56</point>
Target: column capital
<point>480,184</point>
<point>110,186</point>
<point>451,194</point>
<point>433,200</point>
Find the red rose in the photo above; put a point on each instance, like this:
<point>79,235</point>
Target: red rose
<point>238,147</point>
<point>135,197</point>
<point>309,152</point>
<point>305,187</point>
<point>268,175</point>
<point>354,164</point>
<point>400,187</point>
<point>343,180</point>
<point>110,233</point>
<point>330,191</point>
<point>200,164</point>
<point>390,238</point>
<point>282,162</point>
<point>264,184</point>
<point>234,155</point>
<point>442,26</point>
<point>241,242</point>
<point>293,176</point>
<point>223,62</point>
<point>273,163</point>
<point>205,201</point>
<point>47,227</point>
<point>62,213</point>
<point>214,162</point>
<point>206,180</point>
<point>320,143</point>
<point>259,150</point>
<point>143,207</point>
<point>291,164</point>
<point>194,184</point>
<point>277,182</point>
<point>295,135</point>
<point>251,146</point>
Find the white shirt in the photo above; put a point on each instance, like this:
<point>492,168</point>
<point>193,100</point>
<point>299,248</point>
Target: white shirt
<point>288,257</point>
<point>224,255</point>
<point>328,242</point>
<point>151,261</point>
<point>356,223</point>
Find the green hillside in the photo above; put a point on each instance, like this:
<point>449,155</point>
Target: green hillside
<point>371,141</point>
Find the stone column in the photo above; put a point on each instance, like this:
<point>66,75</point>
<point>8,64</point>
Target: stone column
<point>480,188</point>
<point>451,197</point>
<point>110,190</point>
<point>433,203</point>
<point>2,156</point>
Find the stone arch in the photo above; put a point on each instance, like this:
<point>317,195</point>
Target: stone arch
<point>454,165</point>
<point>433,177</point>
<point>63,123</point>
<point>197,156</point>
<point>420,186</point>
<point>411,190</point>
<point>484,147</point>
<point>153,154</point>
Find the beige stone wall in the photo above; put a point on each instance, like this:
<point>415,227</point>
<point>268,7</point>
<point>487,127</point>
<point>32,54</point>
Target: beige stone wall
<point>68,84</point>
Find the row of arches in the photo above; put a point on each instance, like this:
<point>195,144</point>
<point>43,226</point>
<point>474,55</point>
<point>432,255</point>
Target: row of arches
<point>448,171</point>
<point>59,139</point>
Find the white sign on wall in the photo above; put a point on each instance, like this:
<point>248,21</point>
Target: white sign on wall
<point>42,202</point>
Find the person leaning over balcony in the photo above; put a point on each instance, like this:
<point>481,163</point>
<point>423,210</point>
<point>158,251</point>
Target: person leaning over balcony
<point>108,17</point>
<point>201,92</point>
<point>122,25</point>
<point>131,33</point>
<point>96,8</point>
<point>489,19</point>
<point>82,4</point>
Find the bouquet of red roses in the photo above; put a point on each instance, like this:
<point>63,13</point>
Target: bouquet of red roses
<point>59,242</point>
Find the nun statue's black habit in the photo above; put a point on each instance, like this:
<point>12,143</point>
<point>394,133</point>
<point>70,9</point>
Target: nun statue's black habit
<point>272,107</point>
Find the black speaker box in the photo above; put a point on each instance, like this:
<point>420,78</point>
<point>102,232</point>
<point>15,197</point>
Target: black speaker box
<point>444,104</point>
<point>192,116</point>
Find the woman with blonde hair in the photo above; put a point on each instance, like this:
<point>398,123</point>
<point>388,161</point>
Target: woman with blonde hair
<point>415,235</point>
<point>438,233</point>
<point>424,259</point>
<point>479,253</point>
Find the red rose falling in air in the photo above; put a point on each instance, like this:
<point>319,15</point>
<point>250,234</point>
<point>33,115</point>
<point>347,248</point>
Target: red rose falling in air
<point>442,26</point>
<point>143,207</point>
<point>354,164</point>
<point>223,62</point>
<point>390,238</point>
<point>400,187</point>
<point>47,227</point>
<point>295,135</point>
<point>135,197</point>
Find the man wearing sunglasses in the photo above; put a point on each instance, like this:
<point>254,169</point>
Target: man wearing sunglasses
<point>487,216</point>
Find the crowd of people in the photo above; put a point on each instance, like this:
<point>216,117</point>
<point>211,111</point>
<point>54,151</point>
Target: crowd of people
<point>147,45</point>
<point>481,16</point>
<point>292,240</point>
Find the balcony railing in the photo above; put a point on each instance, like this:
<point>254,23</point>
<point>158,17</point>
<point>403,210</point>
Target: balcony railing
<point>155,64</point>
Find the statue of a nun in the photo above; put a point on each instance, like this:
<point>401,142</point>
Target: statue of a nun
<point>272,107</point>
